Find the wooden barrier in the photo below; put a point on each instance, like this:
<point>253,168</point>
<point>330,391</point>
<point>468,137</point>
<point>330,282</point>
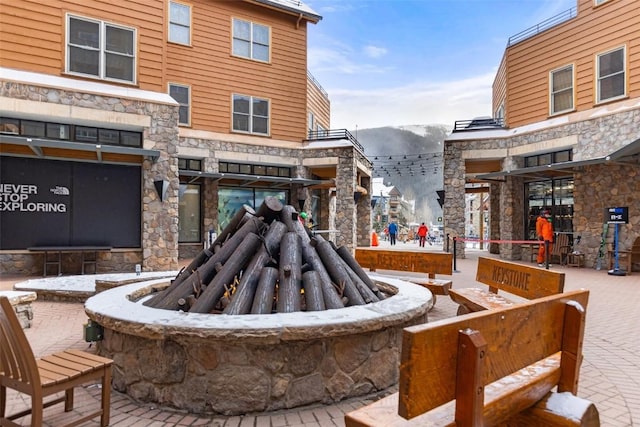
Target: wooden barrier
<point>431,263</point>
<point>517,279</point>
<point>489,368</point>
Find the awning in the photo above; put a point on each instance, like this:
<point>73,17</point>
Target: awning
<point>60,149</point>
<point>629,154</point>
<point>243,180</point>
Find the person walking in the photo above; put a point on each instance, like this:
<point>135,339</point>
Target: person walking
<point>544,231</point>
<point>422,234</point>
<point>393,232</point>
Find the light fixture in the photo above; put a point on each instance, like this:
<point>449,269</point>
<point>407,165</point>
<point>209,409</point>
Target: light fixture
<point>162,185</point>
<point>356,196</point>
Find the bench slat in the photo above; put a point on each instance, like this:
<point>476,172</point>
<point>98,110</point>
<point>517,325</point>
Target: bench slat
<point>478,299</point>
<point>536,326</point>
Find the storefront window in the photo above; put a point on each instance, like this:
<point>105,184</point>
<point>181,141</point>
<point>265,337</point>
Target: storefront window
<point>189,213</point>
<point>555,195</point>
<point>232,199</point>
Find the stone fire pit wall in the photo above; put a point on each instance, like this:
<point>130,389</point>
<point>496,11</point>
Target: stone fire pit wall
<point>241,364</point>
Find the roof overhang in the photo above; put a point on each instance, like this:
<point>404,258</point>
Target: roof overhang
<point>629,154</point>
<point>293,7</point>
<point>243,180</point>
<point>69,150</point>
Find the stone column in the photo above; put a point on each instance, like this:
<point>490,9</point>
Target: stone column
<point>346,175</point>
<point>363,213</point>
<point>512,217</point>
<point>494,216</point>
<point>160,217</point>
<point>454,195</point>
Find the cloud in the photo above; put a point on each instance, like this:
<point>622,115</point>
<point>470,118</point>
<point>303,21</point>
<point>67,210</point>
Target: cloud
<point>340,59</point>
<point>374,51</point>
<point>420,102</point>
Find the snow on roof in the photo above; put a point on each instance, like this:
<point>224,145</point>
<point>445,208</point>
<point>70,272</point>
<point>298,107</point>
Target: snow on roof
<point>294,6</point>
<point>47,80</point>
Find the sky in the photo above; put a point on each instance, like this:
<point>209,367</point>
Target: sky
<point>414,62</point>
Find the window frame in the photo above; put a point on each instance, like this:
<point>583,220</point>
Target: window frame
<point>189,27</point>
<point>552,94</point>
<point>599,78</point>
<point>182,105</point>
<point>102,49</point>
<point>250,115</point>
<point>250,41</point>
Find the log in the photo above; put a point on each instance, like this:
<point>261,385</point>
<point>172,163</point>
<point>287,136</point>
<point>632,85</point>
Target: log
<point>263,300</point>
<point>205,254</point>
<point>367,294</point>
<point>290,274</point>
<point>338,274</point>
<point>205,273</point>
<point>310,256</point>
<point>313,291</point>
<point>236,262</point>
<point>270,209</point>
<point>348,258</point>
<point>242,299</point>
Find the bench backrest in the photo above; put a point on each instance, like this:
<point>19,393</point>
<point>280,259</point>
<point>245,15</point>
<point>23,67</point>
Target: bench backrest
<point>405,260</point>
<point>526,282</point>
<point>516,337</point>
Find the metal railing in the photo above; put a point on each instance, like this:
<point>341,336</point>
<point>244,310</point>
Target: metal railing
<point>478,124</point>
<point>323,135</point>
<point>543,26</point>
<point>316,84</point>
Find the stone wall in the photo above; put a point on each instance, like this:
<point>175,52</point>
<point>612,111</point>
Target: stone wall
<point>596,187</point>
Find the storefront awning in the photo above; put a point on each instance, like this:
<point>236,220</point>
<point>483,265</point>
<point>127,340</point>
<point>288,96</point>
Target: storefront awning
<point>69,150</point>
<point>243,180</point>
<point>629,154</point>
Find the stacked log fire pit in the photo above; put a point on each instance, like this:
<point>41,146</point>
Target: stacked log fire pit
<point>267,318</point>
<point>266,262</point>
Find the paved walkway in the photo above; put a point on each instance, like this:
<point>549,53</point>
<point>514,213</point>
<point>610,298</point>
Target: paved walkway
<point>610,374</point>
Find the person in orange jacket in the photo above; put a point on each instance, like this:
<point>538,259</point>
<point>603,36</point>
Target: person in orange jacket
<point>544,231</point>
<point>422,234</point>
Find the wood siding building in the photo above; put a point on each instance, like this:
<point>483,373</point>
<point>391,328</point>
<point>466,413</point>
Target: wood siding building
<point>565,134</point>
<point>208,103</point>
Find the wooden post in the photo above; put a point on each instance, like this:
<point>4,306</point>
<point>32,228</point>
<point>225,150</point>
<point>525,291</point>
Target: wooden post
<point>168,299</point>
<point>472,349</point>
<point>290,283</point>
<point>205,254</point>
<point>310,256</point>
<point>313,291</point>
<point>242,299</point>
<point>572,339</point>
<point>236,262</point>
<point>270,209</point>
<point>263,300</point>
<point>348,258</point>
<point>338,274</point>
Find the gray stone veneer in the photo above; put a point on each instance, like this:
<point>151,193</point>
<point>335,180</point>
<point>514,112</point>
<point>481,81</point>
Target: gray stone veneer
<point>596,187</point>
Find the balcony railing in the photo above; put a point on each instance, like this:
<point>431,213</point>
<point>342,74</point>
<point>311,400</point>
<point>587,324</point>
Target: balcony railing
<point>324,135</point>
<point>478,124</point>
<point>318,85</point>
<point>543,26</point>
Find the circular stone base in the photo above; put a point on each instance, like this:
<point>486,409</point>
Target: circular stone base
<point>231,365</point>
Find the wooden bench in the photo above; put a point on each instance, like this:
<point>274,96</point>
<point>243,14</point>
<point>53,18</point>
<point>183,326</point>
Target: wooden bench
<point>57,252</point>
<point>517,279</point>
<point>491,367</point>
<point>431,263</point>
<point>21,303</point>
<point>54,375</point>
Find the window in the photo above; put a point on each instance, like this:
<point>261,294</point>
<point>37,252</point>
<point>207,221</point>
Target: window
<point>548,158</point>
<point>182,95</point>
<point>250,40</point>
<point>100,49</point>
<point>250,114</point>
<point>189,213</point>
<point>179,23</point>
<point>311,123</point>
<point>611,75</point>
<point>561,82</point>
<point>190,164</point>
<point>249,169</point>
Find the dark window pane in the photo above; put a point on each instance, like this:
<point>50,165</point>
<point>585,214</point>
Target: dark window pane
<point>195,165</point>
<point>86,134</point>
<point>259,170</point>
<point>9,125</point>
<point>119,40</point>
<point>84,33</point>
<point>131,139</point>
<point>57,131</point>
<point>223,167</point>
<point>241,122</point>
<point>119,67</point>
<point>84,61</point>
<point>30,128</point>
<point>233,168</point>
<point>286,172</point>
<point>272,171</point>
<point>246,169</point>
<point>108,136</point>
<point>182,164</point>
